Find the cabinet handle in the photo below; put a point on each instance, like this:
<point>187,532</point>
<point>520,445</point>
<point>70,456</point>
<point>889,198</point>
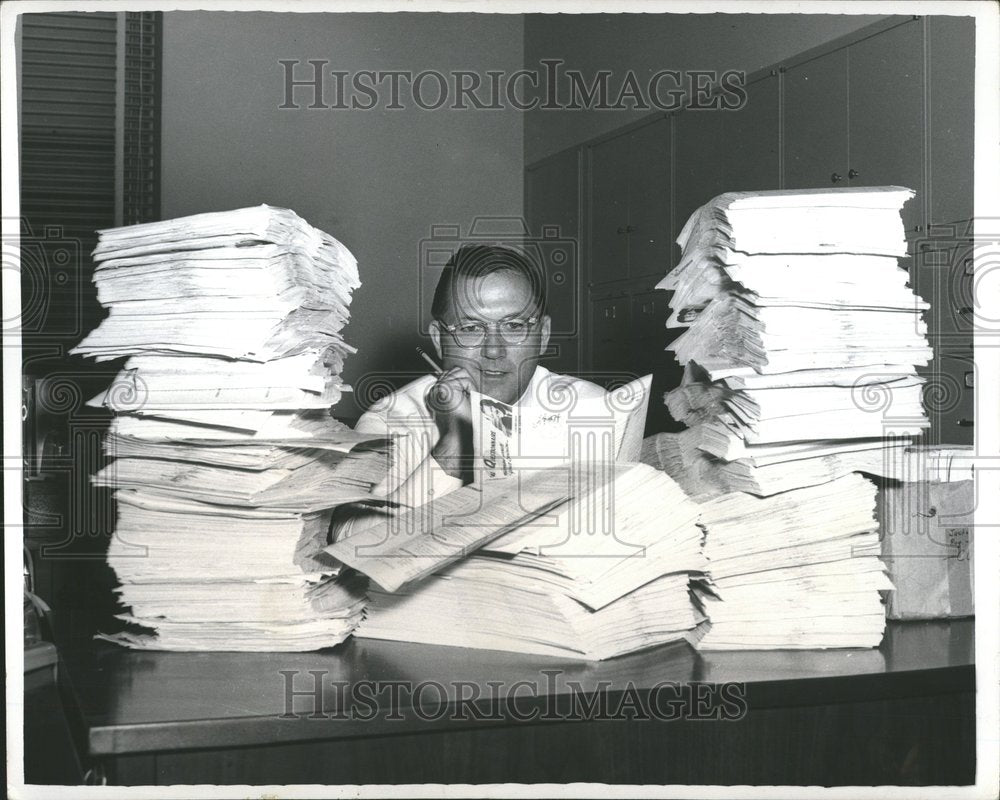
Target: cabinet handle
<point>609,313</point>
<point>852,174</point>
<point>630,229</point>
<point>836,177</point>
<point>966,423</point>
<point>620,231</point>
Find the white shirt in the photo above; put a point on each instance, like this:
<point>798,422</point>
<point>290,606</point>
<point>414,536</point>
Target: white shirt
<point>414,476</point>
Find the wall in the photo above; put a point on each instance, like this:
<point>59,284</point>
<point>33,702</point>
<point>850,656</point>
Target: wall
<point>377,180</point>
<point>648,43</point>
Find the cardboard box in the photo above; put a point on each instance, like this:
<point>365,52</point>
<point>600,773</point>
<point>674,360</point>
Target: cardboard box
<point>927,544</point>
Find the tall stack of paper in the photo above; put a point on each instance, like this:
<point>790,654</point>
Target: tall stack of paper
<point>799,569</point>
<point>803,337</point>
<point>588,563</point>
<point>800,360</point>
<point>226,461</point>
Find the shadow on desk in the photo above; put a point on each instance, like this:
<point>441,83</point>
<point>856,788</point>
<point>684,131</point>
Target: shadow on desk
<point>389,712</point>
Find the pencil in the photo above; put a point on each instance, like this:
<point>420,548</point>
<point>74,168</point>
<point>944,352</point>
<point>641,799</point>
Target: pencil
<point>431,361</point>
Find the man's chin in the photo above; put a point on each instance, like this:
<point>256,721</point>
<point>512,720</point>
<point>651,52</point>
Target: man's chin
<point>499,386</point>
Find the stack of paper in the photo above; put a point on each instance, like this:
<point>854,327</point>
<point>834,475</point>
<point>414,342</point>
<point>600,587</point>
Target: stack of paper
<point>257,283</point>
<point>225,459</point>
<point>803,337</point>
<point>800,359</point>
<point>588,563</point>
<point>769,469</point>
<point>800,569</point>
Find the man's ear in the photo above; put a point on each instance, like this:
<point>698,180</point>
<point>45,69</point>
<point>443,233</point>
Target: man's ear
<point>435,330</point>
<point>543,341</point>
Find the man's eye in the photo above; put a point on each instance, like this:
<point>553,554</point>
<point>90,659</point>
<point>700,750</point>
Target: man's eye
<point>514,326</point>
<point>469,328</point>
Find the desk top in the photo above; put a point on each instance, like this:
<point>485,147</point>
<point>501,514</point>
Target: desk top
<point>135,701</point>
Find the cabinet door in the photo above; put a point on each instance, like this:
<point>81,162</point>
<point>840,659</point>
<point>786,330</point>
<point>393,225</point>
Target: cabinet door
<point>650,338</point>
<point>951,64</point>
<point>815,96</point>
<point>750,139</point>
<point>959,411</point>
<point>608,206</point>
<point>609,335</point>
<point>552,199</point>
<point>949,395</point>
<point>940,275</point>
<point>648,330</point>
<point>699,173</point>
<point>649,233</point>
<point>886,89</point>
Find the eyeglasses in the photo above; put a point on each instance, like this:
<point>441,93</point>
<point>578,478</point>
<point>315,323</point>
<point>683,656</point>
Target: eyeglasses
<point>473,334</point>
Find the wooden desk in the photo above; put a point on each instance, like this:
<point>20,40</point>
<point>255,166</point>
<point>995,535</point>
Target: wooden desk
<point>901,714</point>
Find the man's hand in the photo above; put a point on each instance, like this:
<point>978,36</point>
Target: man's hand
<point>450,403</point>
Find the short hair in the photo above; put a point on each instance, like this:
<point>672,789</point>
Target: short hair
<point>478,261</point>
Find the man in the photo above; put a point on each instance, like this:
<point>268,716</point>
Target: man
<point>489,330</point>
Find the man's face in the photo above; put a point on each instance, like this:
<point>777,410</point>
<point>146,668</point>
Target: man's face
<point>498,369</point>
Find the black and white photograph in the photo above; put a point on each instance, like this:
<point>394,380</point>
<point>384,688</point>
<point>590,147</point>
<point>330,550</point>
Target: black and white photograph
<point>515,399</point>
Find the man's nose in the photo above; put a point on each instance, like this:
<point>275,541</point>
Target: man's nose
<point>493,345</point>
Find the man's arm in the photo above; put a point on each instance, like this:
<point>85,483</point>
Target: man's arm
<point>412,478</point>
<point>415,474</point>
<point>449,404</point>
